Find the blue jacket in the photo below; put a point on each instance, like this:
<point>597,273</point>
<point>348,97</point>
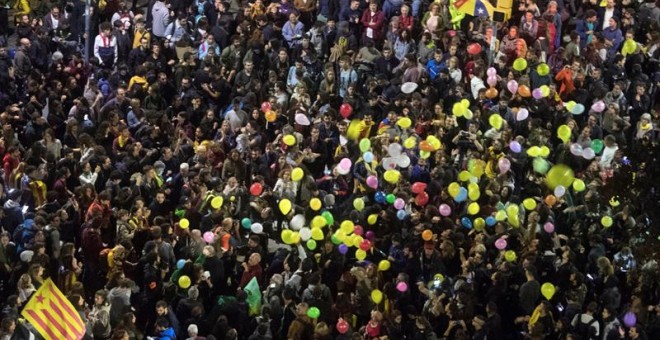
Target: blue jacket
<point>433,68</point>
<point>167,334</point>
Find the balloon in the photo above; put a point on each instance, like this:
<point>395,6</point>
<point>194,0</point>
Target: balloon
<point>523,91</point>
<point>368,157</point>
<point>403,161</point>
<point>372,219</point>
<point>394,149</point>
<point>402,287</point>
<point>384,265</point>
<point>630,319</point>
<point>345,110</point>
<point>317,234</point>
<point>297,222</point>
<point>515,146</point>
<point>445,210</point>
<point>289,140</point>
<point>392,176</point>
<point>390,198</point>
<point>318,222</point>
<point>529,203</point>
<point>629,47</point>
<point>479,224</point>
<point>360,254</point>
<point>184,281</point>
<point>347,227</point>
<point>357,230</point>
<point>545,90</point>
<point>427,235</point>
<point>305,233</point>
<point>523,113</point>
<point>462,195</point>
<point>534,151</point>
<point>343,249</point>
<point>473,208</point>
<point>560,191</point>
<point>550,200</point>
<point>265,107</point>
<point>434,142</point>
<point>285,206</point>
<point>409,143</point>
<point>492,81</point>
<point>372,182</point>
<point>313,312</point>
<point>495,121</point>
<point>474,48</point>
<point>208,237</point>
<point>401,215</point>
<point>510,255</point>
<point>548,290</point>
<point>606,221</point>
<point>418,187</point>
<point>500,244</point>
<point>579,185</point>
<point>577,109</point>
<point>425,146</point>
<point>597,145</point>
<point>543,69</point>
<point>466,222</point>
<point>559,174</point>
<point>424,154</point>
<point>519,64</point>
<point>458,109</point>
<point>537,94</point>
<point>504,164</point>
<point>345,164</point>
<point>473,193</point>
<point>327,216</point>
<point>588,153</point>
<point>576,149</point>
<point>512,210</point>
<point>491,72</point>
<point>540,165</point>
<point>404,122</point>
<point>365,144</point>
<point>549,227</point>
<point>342,326</point>
<point>286,235</point>
<point>297,174</point>
<point>180,263</point>
<point>598,106</point>
<point>358,204</point>
<point>256,189</point>
<point>500,216</point>
<point>271,116</point>
<point>257,228</point>
<point>512,86</point>
<point>490,221</point>
<point>380,197</point>
<point>216,202</point>
<point>315,204</point>
<point>376,296</point>
<point>564,133</point>
<point>422,199</point>
<point>491,92</point>
<point>184,223</point>
<point>453,189</point>
<point>370,235</point>
<point>544,151</point>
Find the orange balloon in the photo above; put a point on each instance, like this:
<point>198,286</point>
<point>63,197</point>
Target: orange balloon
<point>271,116</point>
<point>523,91</point>
<point>427,235</point>
<point>550,200</point>
<point>425,146</point>
<point>491,93</point>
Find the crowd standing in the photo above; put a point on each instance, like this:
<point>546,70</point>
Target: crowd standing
<point>351,169</point>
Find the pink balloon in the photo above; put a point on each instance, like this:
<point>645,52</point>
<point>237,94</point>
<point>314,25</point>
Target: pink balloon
<point>523,113</point>
<point>549,227</point>
<point>357,230</point>
<point>598,106</point>
<point>500,244</point>
<point>372,182</point>
<point>512,86</point>
<point>504,165</point>
<point>208,237</point>
<point>491,72</point>
<point>445,210</point>
<point>399,203</point>
<point>402,286</point>
<point>345,164</point>
<point>515,146</point>
<point>492,80</point>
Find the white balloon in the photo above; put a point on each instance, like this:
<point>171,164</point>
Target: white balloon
<point>389,163</point>
<point>305,233</point>
<point>297,222</point>
<point>394,149</point>
<point>588,153</point>
<point>257,228</point>
<point>403,161</point>
<point>560,190</point>
<point>522,114</point>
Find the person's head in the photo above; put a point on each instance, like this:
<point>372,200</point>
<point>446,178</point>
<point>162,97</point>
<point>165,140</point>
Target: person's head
<point>301,309</point>
<point>613,23</point>
<point>162,323</point>
<point>513,32</point>
<point>161,308</point>
<point>529,16</point>
<point>293,18</point>
<point>100,297</point>
<point>254,259</point>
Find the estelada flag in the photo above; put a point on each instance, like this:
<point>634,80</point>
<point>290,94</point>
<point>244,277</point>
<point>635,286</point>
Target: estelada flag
<point>477,8</point>
<point>52,315</point>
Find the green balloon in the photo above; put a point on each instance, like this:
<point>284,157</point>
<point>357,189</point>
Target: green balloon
<point>335,240</point>
<point>246,223</point>
<point>311,244</point>
<point>365,144</point>
<point>390,198</point>
<point>313,313</point>
<point>540,165</point>
<point>328,217</point>
<point>597,145</point>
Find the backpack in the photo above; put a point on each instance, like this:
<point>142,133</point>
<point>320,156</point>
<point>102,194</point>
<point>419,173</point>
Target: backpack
<point>586,331</point>
<point>23,235</point>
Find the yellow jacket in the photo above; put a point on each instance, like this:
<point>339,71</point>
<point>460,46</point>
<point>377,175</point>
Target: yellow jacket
<point>22,7</point>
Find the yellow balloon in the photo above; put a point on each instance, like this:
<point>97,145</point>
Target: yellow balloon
<point>453,189</point>
<point>356,240</point>
<point>184,281</point>
<point>434,141</point>
<point>464,176</point>
<point>353,131</point>
<point>495,121</point>
<point>372,219</point>
<point>216,202</point>
<point>289,140</point>
<point>184,223</point>
<point>479,224</point>
<point>534,151</point>
<point>424,154</point>
<point>360,254</point>
<point>409,143</point>
<point>548,290</point>
<point>544,152</point>
<point>564,133</point>
<point>315,204</point>
<point>376,296</point>
<point>295,237</point>
<point>578,185</point>
<point>559,174</point>
<point>473,191</point>
<point>341,235</point>
<point>317,234</point>
<point>285,206</point>
<point>297,174</point>
<point>286,235</point>
<point>358,204</point>
<point>473,208</point>
<point>347,227</point>
<point>384,265</point>
<point>514,221</point>
<point>606,221</point>
<point>465,102</point>
<point>392,176</point>
<point>458,109</point>
<point>500,216</point>
<point>512,210</point>
<point>318,222</point>
<point>529,203</point>
<point>404,122</point>
<point>510,255</point>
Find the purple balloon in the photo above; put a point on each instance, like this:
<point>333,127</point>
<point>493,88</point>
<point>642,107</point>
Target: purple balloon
<point>630,319</point>
<point>537,94</point>
<point>500,244</point>
<point>399,203</point>
<point>512,86</point>
<point>343,249</point>
<point>515,146</point>
<point>370,235</point>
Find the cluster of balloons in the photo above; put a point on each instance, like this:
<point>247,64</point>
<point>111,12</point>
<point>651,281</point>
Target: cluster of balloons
<point>270,115</point>
<point>574,108</point>
<point>629,47</point>
<point>542,92</point>
<point>462,109</point>
<point>590,152</point>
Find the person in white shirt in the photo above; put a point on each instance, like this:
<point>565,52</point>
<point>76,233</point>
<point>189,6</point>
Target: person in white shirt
<point>105,46</point>
<point>588,319</point>
<point>608,152</point>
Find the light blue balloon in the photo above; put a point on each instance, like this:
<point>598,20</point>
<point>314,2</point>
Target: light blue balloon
<point>462,195</point>
<point>490,221</point>
<point>180,263</point>
<point>401,214</point>
<point>368,157</point>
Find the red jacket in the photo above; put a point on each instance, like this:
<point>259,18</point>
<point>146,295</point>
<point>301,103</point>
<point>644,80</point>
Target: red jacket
<point>375,22</point>
<point>9,164</point>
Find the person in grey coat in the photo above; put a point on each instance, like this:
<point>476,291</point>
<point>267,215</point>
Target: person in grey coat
<point>161,18</point>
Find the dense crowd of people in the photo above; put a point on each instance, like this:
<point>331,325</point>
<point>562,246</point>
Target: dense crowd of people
<point>328,169</point>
